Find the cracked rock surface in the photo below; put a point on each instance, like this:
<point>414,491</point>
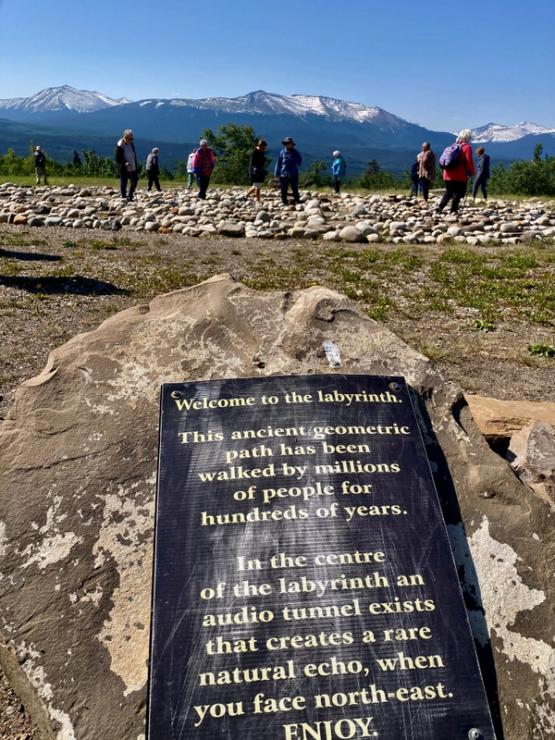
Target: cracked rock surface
<point>78,455</point>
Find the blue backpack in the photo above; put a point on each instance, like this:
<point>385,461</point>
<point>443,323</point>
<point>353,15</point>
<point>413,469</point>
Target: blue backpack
<point>450,157</point>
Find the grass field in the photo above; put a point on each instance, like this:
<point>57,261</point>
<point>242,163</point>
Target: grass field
<point>485,315</point>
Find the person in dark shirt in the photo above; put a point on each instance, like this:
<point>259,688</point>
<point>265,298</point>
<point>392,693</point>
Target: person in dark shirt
<point>40,165</point>
<point>126,160</point>
<point>482,174</point>
<point>257,169</point>
<point>153,170</point>
<point>414,179</point>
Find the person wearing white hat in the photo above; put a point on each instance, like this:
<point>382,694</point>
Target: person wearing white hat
<point>40,165</point>
<point>338,169</point>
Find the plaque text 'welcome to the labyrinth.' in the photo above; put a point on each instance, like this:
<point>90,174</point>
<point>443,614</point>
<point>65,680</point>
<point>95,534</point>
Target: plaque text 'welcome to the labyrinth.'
<point>304,587</point>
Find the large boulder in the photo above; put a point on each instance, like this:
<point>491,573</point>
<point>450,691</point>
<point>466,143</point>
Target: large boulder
<point>78,460</point>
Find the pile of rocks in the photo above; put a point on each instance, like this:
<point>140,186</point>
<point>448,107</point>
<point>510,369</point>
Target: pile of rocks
<point>395,219</point>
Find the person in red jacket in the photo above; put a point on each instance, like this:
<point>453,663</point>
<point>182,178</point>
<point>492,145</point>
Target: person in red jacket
<point>204,162</point>
<point>456,176</point>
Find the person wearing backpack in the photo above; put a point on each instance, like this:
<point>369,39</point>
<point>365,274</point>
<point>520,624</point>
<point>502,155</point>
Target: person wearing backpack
<point>482,173</point>
<point>338,171</point>
<point>40,165</point>
<point>457,165</point>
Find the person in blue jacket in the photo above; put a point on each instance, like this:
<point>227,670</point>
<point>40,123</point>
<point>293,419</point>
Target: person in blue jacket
<point>482,174</point>
<point>287,169</point>
<point>338,170</point>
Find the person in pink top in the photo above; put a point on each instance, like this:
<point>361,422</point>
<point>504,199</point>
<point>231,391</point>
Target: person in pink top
<point>456,174</point>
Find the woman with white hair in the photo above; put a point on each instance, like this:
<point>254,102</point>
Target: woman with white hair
<point>458,165</point>
<point>204,162</point>
<point>338,169</point>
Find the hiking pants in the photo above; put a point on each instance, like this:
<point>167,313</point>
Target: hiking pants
<point>454,190</point>
<point>203,182</point>
<point>41,172</point>
<point>482,184</point>
<point>125,177</point>
<point>153,179</point>
<point>336,182</point>
<point>284,183</point>
<point>424,185</point>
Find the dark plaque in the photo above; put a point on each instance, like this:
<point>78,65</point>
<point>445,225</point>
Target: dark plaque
<point>304,587</point>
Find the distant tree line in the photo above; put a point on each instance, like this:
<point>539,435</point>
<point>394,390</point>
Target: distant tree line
<point>533,177</point>
<point>233,145</point>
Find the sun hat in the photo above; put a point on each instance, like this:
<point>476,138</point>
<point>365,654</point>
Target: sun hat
<point>288,140</point>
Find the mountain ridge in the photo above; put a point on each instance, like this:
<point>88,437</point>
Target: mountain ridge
<point>68,100</point>
<point>63,97</point>
<point>500,132</point>
<point>319,124</point>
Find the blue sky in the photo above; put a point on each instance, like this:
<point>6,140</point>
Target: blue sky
<point>443,64</point>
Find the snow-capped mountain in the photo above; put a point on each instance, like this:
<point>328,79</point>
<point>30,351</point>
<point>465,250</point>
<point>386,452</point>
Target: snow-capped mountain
<point>64,98</point>
<point>263,103</point>
<point>78,119</point>
<point>498,132</point>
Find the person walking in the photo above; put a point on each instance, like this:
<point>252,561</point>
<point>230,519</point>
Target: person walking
<point>458,165</point>
<point>40,165</point>
<point>257,169</point>
<point>126,159</point>
<point>287,169</point>
<point>204,162</point>
<point>426,169</point>
<point>338,170</point>
<point>482,174</point>
<point>153,170</point>
<point>190,168</point>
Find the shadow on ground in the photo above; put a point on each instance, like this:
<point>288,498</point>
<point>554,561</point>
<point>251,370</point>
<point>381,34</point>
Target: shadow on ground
<point>29,256</point>
<point>76,284</point>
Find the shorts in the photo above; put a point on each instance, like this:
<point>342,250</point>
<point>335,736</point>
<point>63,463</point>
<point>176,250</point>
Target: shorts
<point>258,185</point>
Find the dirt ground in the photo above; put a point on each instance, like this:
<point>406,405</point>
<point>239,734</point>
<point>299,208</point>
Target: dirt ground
<point>485,316</point>
<point>474,311</point>
<point>15,724</point>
